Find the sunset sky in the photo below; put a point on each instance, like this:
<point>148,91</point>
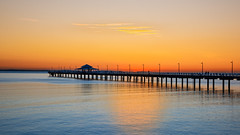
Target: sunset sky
<point>45,34</point>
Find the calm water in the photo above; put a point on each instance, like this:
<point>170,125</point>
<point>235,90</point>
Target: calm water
<point>33,103</point>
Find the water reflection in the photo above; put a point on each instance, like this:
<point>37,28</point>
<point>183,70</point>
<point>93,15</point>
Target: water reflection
<point>137,108</point>
<point>70,106</point>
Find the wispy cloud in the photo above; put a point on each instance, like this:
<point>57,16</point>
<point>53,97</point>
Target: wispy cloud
<point>132,31</point>
<point>102,24</point>
<point>129,28</point>
<point>132,27</point>
<point>29,19</point>
<point>137,30</point>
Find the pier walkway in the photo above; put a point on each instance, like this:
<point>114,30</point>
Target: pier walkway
<point>151,77</point>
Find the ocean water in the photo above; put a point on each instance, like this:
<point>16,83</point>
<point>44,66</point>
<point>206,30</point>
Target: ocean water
<point>34,103</point>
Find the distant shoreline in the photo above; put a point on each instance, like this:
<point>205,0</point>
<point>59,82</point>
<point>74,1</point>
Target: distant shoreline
<point>22,70</point>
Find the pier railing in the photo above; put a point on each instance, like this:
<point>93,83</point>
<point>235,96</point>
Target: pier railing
<point>143,77</point>
<point>237,75</point>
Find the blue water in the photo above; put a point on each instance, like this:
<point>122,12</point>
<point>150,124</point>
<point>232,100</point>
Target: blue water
<point>34,103</point>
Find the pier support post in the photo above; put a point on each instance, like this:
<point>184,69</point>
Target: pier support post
<point>152,80</point>
<point>194,84</point>
<point>187,84</point>
<point>213,85</point>
<point>207,84</point>
<point>161,81</point>
<point>157,80</point>
<point>229,86</point>
<point>171,82</point>
<point>166,82</point>
<point>182,83</point>
<point>199,83</point>
<point>176,83</point>
<point>223,85</point>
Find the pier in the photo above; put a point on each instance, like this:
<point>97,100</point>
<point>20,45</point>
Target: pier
<point>152,77</point>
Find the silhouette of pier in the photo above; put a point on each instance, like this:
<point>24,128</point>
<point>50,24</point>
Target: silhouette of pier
<point>150,77</point>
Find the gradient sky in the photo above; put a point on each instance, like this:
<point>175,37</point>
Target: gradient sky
<point>44,34</point>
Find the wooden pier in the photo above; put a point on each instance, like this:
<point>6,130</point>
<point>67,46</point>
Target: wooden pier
<point>151,77</point>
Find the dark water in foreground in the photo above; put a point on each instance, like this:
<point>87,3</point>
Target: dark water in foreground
<point>33,103</point>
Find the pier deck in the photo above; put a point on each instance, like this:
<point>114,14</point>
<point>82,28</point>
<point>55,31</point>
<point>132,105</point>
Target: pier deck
<point>150,77</point>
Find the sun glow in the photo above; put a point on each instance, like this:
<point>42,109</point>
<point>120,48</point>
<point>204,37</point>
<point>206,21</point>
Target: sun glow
<point>105,34</point>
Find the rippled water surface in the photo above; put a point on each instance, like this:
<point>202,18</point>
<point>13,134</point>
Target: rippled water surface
<point>34,103</point>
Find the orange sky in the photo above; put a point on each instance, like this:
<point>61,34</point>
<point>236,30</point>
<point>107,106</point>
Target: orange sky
<point>61,33</point>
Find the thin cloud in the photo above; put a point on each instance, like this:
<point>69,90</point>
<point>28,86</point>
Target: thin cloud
<point>29,19</point>
<point>132,31</point>
<point>101,25</point>
<point>137,30</point>
<point>121,27</point>
<point>132,28</point>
